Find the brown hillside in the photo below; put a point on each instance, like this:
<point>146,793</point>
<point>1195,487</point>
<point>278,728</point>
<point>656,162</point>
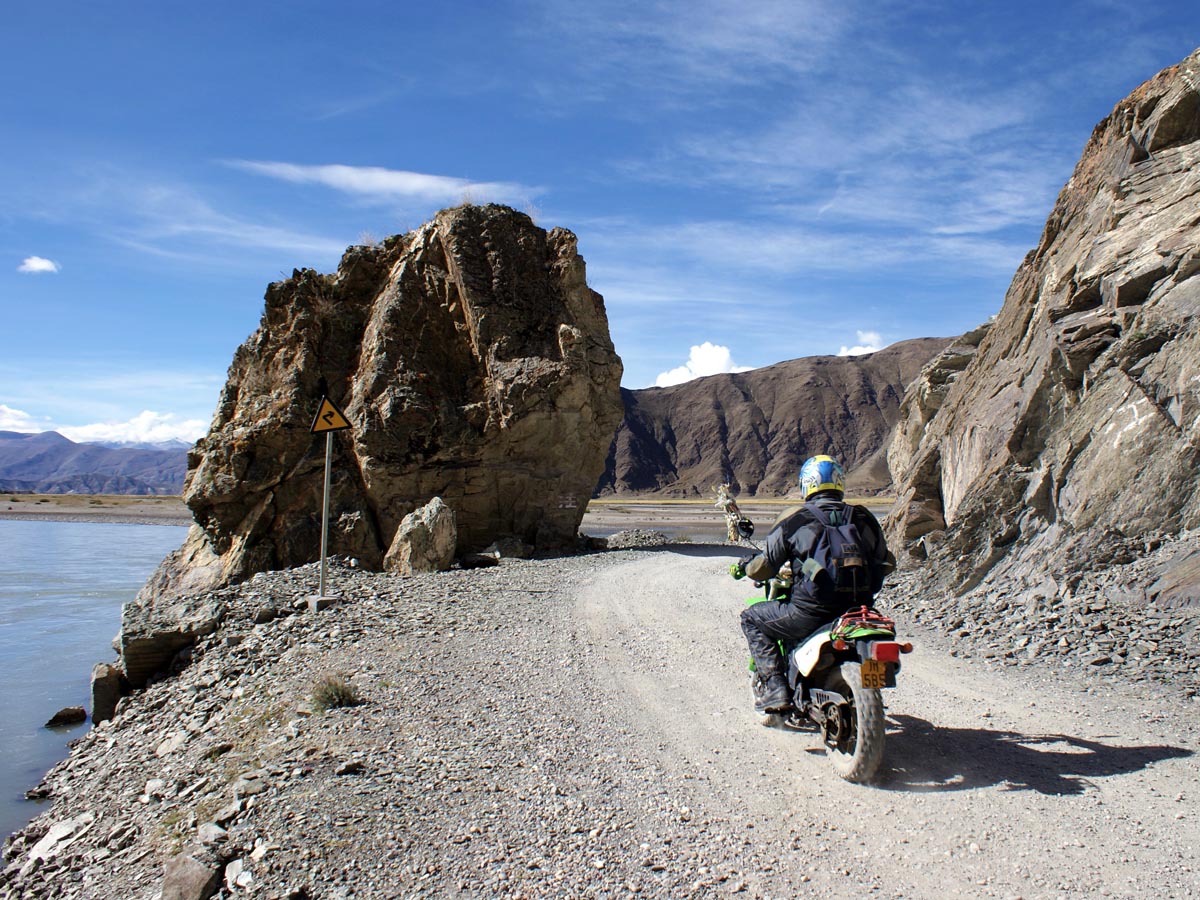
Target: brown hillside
<point>754,429</point>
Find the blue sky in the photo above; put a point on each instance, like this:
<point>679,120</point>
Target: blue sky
<point>750,182</point>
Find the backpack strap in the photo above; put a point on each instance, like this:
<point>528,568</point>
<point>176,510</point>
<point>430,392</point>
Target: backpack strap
<point>825,518</point>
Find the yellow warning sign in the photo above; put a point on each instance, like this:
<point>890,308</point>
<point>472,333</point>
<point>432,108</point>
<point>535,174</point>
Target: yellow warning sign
<point>328,418</point>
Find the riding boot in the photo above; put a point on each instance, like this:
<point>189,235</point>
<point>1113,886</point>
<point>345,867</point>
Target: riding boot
<point>773,696</point>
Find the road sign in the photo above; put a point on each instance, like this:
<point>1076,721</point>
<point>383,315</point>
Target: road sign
<point>329,418</point>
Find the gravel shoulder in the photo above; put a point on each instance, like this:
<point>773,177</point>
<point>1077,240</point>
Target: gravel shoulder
<point>581,727</point>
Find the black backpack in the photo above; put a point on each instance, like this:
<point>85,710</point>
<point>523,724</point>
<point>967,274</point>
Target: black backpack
<point>838,566</point>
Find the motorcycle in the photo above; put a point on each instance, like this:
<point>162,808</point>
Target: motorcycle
<point>835,675</point>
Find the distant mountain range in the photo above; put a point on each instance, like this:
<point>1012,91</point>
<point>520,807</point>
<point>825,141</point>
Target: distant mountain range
<point>48,463</point>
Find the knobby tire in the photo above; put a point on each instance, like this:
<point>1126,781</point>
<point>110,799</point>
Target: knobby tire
<point>860,762</point>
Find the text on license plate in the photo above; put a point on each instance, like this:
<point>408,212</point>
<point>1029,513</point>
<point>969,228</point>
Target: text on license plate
<point>874,673</point>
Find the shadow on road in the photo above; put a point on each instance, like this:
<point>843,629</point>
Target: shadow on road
<point>923,757</point>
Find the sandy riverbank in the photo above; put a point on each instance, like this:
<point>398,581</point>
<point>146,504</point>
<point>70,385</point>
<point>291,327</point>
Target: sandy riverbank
<point>689,519</point>
<point>103,508</point>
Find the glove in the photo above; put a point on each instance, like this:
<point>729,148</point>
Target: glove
<point>738,569</point>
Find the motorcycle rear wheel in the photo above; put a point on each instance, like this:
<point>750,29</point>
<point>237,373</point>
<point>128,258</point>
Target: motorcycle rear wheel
<point>857,756</point>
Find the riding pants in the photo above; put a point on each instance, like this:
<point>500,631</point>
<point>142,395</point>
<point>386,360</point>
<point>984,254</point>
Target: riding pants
<point>769,621</point>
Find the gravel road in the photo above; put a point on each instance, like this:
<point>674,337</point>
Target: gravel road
<point>997,783</point>
<point>581,728</point>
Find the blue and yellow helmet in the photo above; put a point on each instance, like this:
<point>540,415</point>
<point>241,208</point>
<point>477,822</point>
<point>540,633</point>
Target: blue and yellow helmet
<point>822,473</point>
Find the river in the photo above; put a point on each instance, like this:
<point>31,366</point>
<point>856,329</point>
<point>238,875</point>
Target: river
<point>61,589</point>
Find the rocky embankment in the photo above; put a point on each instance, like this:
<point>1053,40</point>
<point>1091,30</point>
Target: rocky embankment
<point>1096,623</point>
<point>533,730</point>
<point>443,779</point>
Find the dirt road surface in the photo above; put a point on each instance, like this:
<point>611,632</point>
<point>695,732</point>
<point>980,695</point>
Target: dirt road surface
<point>995,783</point>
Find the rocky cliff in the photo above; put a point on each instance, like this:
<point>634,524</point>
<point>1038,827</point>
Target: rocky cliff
<point>473,363</point>
<point>1069,438</point>
<point>754,429</point>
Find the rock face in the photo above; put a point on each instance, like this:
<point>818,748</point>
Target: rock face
<point>753,430</point>
<point>1070,437</point>
<point>473,363</point>
<point>925,396</point>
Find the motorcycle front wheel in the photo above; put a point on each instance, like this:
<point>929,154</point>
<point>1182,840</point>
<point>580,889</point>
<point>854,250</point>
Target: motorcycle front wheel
<point>858,750</point>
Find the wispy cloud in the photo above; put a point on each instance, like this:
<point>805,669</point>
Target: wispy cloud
<point>381,185</point>
<point>704,359</point>
<point>676,49</point>
<point>37,265</point>
<point>173,219</point>
<point>170,218</point>
<point>912,156</point>
<point>790,246</point>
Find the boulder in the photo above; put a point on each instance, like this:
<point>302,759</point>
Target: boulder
<point>425,540</point>
<point>193,874</point>
<point>106,691</point>
<point>57,839</point>
<point>472,362</point>
<point>67,716</point>
<point>155,628</point>
<point>1178,583</point>
<point>1072,431</point>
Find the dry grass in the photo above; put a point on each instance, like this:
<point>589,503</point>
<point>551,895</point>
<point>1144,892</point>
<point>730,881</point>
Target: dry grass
<point>333,692</point>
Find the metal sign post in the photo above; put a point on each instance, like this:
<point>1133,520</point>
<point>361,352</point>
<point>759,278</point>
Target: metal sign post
<point>325,508</point>
<point>328,420</point>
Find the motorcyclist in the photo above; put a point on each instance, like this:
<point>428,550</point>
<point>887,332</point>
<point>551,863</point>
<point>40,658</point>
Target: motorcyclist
<point>813,603</point>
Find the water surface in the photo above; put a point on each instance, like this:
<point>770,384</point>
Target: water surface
<point>61,589</point>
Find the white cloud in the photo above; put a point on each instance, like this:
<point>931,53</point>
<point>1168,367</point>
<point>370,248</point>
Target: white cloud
<point>868,342</point>
<point>21,421</point>
<point>705,359</point>
<point>387,185</point>
<point>37,265</point>
<point>146,427</point>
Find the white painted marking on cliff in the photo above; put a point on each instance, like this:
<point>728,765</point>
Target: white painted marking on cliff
<point>1134,423</point>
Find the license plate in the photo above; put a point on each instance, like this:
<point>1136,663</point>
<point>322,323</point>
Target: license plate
<point>874,673</point>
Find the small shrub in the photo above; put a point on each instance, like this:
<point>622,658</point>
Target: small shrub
<point>333,692</point>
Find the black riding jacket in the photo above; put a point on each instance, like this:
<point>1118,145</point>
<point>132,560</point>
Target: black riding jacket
<point>794,538</point>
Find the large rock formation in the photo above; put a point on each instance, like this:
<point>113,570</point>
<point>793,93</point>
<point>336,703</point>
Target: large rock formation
<point>473,363</point>
<point>754,429</point>
<point>1071,436</point>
